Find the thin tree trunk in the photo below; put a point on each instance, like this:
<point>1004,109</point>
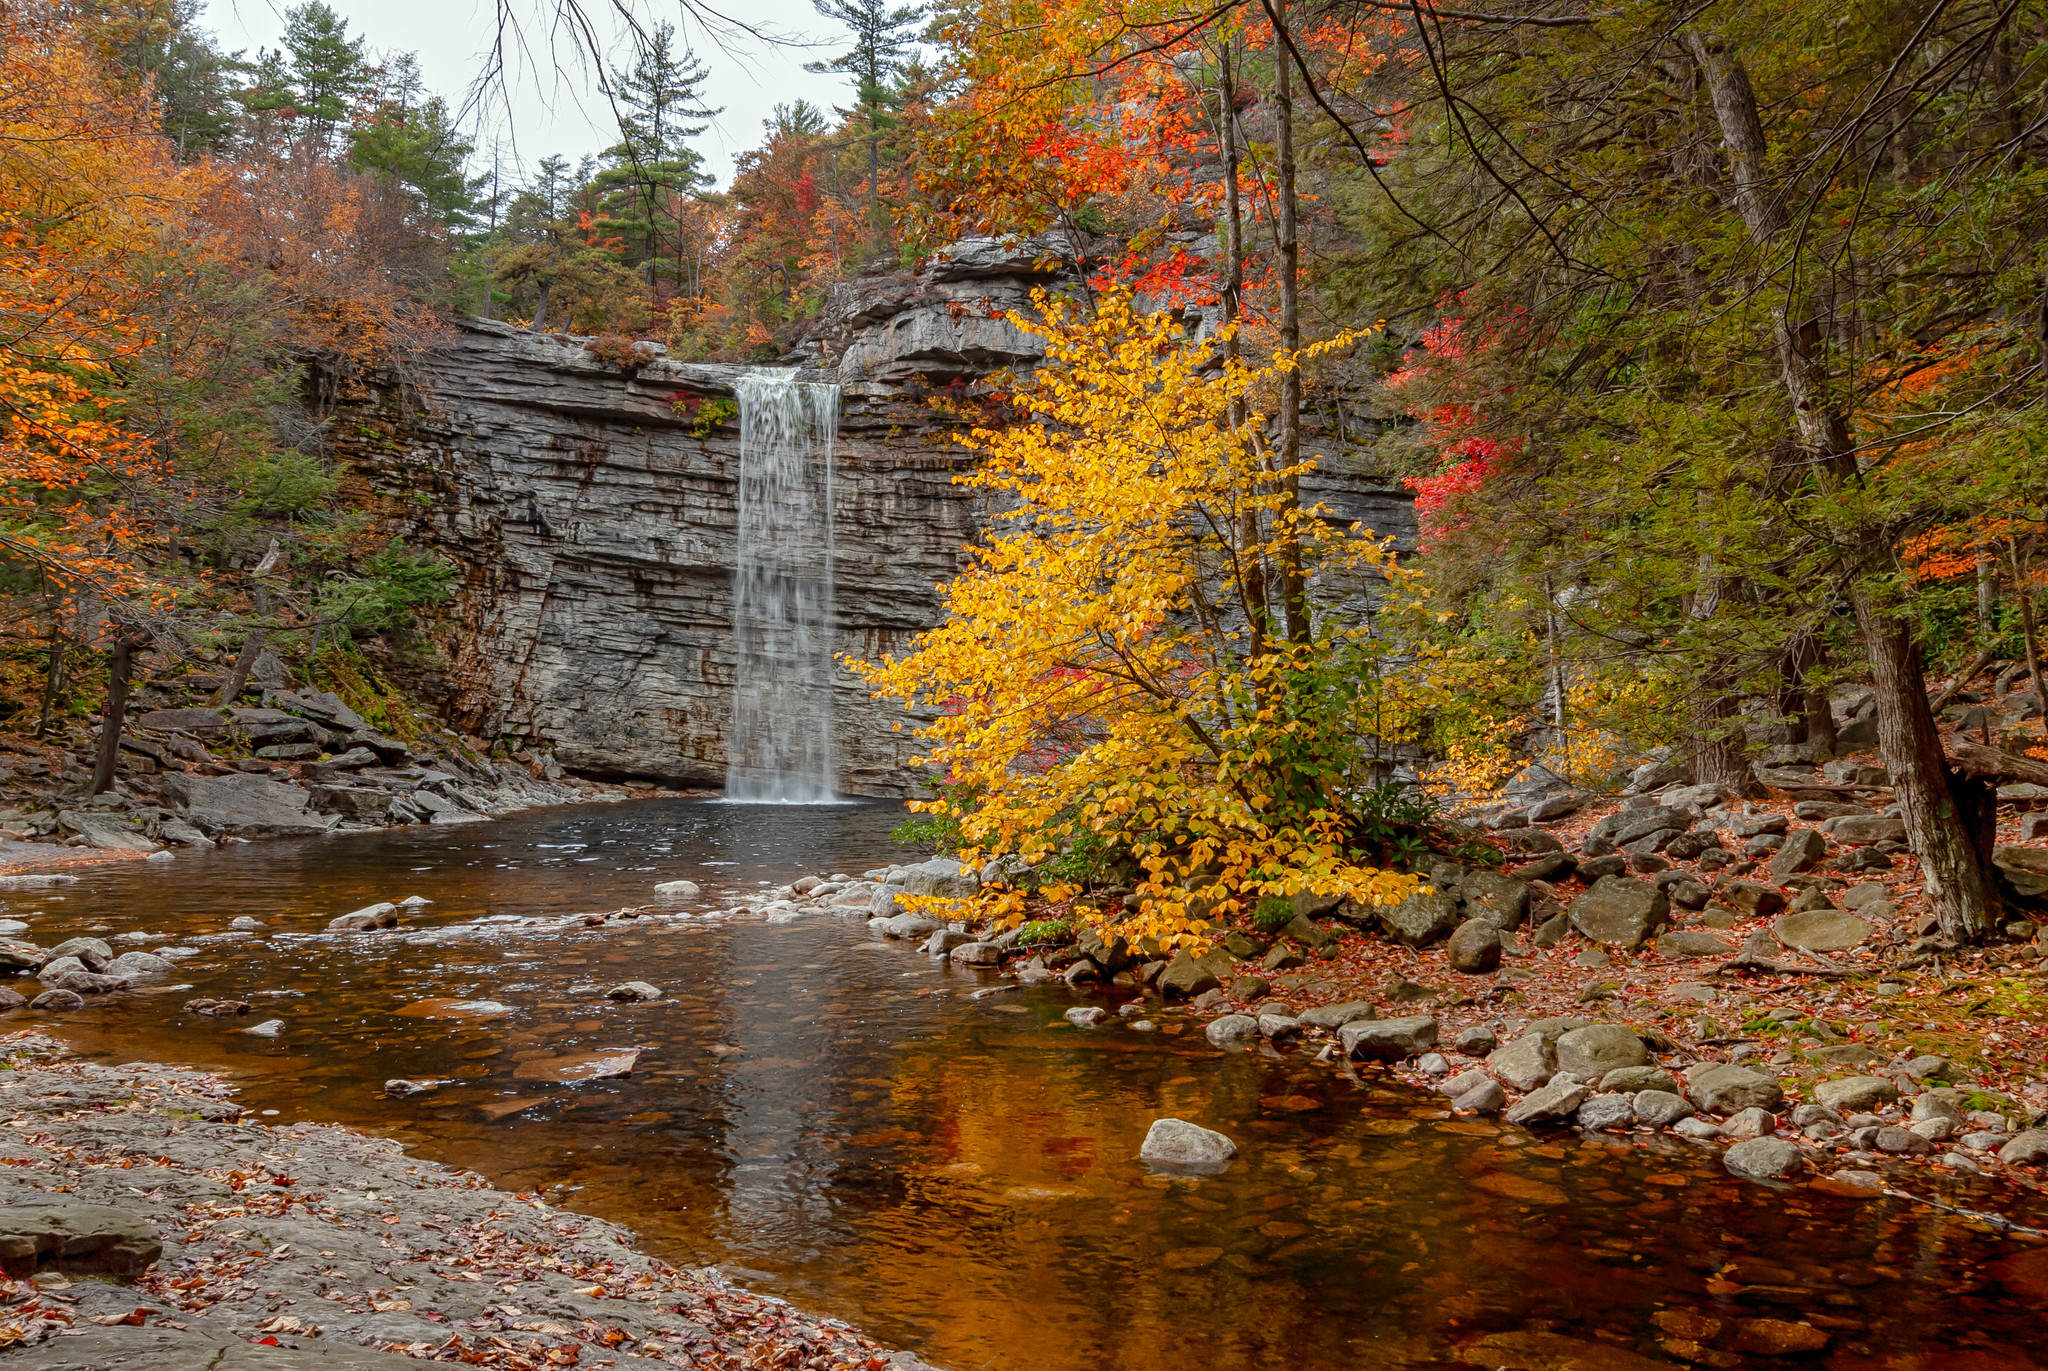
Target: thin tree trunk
<point>1293,582</point>
<point>1959,891</point>
<point>115,714</point>
<point>245,660</point>
<point>1987,597</point>
<point>540,309</point>
<point>2030,631</point>
<point>1251,561</point>
<point>53,678</point>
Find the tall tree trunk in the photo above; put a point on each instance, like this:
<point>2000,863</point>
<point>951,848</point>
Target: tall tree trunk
<point>2030,632</point>
<point>1251,561</point>
<point>540,309</point>
<point>1718,755</point>
<point>1293,581</point>
<point>53,677</point>
<point>1959,890</point>
<point>115,714</point>
<point>1987,598</point>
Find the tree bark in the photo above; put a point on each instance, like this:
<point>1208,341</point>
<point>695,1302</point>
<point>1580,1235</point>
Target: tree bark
<point>1251,561</point>
<point>1718,756</point>
<point>115,713</point>
<point>53,677</point>
<point>1959,890</point>
<point>1293,581</point>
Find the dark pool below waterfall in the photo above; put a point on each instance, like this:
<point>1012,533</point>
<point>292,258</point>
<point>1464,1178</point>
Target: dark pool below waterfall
<point>834,1119</point>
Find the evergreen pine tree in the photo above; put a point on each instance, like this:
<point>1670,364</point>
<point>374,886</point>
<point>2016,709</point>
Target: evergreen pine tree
<point>882,38</point>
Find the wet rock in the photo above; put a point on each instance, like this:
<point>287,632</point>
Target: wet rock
<point>1822,930</point>
<point>11,999</point>
<point>1697,1128</point>
<point>1855,1094</point>
<point>2026,1149</point>
<point>905,926</point>
<point>1080,971</point>
<point>1660,1108</point>
<point>1620,911</point>
<point>1750,1123</point>
<point>400,1089</point>
<point>1934,1130</point>
<point>1388,1040</point>
<point>1525,1063</point>
<point>1806,1115</point>
<point>1486,1097</point>
<point>582,1066</point>
<point>976,954</point>
<point>76,1238</point>
<point>139,966</point>
<point>1463,1081</point>
<point>1726,1089</point>
<point>269,1028</point>
<point>1232,1030</point>
<point>1638,1078</point>
<point>1475,948</point>
<point>1762,1159</point>
<point>677,890</point>
<point>1553,1102</point>
<point>1335,1016</point>
<point>941,876</point>
<point>217,1009</point>
<point>68,973</point>
<point>244,921</point>
<point>944,940</point>
<point>1609,1111</point>
<point>94,953</point>
<point>1422,918</point>
<point>1476,1041</point>
<point>633,991</point>
<point>366,919</point>
<point>1690,942</point>
<point>1777,1337</point>
<point>1434,1064</point>
<point>19,956</point>
<point>1180,1144</point>
<point>1591,1052</point>
<point>1086,1016</point>
<point>55,1001</point>
<point>104,832</point>
<point>1278,1027</point>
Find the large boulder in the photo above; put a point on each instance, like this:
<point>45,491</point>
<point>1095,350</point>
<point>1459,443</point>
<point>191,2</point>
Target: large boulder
<point>1620,911</point>
<point>1490,895</point>
<point>1334,1016</point>
<point>360,803</point>
<point>1186,976</point>
<point>1590,1053</point>
<point>1475,947</point>
<point>1182,1145</point>
<point>905,926</point>
<point>245,806</point>
<point>1422,918</point>
<point>1525,1063</point>
<point>2024,868</point>
<point>1855,1094</point>
<point>1762,1159</point>
<point>2026,1149</point>
<point>76,1237</point>
<point>383,914</point>
<point>941,876</point>
<point>1861,830</point>
<point>1822,930</point>
<point>94,952</point>
<point>1803,850</point>
<point>104,831</point>
<point>1388,1040</point>
<point>1730,1089</point>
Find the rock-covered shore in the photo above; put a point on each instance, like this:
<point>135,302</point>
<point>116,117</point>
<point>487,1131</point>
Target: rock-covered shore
<point>148,1221</point>
<point>300,764</point>
<point>1753,975</point>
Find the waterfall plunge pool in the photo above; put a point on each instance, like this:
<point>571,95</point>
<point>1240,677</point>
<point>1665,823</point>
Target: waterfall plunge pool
<point>835,1119</point>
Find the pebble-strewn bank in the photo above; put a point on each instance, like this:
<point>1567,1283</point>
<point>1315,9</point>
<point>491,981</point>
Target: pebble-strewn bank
<point>147,1221</point>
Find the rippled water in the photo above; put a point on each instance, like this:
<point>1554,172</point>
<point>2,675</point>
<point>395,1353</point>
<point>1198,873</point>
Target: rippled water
<point>836,1119</point>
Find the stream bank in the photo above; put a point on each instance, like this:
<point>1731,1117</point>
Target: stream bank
<point>184,1215</point>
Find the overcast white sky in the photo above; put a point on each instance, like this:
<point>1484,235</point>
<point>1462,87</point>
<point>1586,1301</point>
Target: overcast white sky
<point>566,114</point>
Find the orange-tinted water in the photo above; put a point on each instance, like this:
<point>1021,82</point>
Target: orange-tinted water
<point>836,1119</point>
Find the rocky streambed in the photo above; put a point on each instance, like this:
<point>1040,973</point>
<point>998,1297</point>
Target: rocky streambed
<point>148,1220</point>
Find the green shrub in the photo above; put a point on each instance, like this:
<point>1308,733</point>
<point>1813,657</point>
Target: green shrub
<point>1273,913</point>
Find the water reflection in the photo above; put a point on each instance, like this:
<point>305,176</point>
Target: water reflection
<point>838,1118</point>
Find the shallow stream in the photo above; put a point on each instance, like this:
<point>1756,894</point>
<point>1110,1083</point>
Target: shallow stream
<point>839,1120</point>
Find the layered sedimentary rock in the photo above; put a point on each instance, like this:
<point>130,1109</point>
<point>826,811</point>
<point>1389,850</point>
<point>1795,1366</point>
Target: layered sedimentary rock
<point>592,509</point>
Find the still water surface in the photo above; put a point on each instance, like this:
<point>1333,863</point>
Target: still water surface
<point>837,1120</point>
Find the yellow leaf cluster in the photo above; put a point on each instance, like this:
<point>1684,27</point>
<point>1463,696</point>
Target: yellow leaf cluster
<point>1104,668</point>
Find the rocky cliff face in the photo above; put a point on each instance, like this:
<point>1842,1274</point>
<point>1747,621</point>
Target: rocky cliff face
<point>593,512</point>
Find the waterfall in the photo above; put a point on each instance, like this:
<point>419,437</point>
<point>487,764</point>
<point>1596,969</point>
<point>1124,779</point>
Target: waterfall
<point>780,748</point>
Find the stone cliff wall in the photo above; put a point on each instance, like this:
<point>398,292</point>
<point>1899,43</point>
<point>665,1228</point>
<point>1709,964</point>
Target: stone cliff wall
<point>594,522</point>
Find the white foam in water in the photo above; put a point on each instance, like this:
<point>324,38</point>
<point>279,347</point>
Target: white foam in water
<point>780,748</point>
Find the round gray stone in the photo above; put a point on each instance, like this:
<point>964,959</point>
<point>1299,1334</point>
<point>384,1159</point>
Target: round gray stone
<point>1762,1159</point>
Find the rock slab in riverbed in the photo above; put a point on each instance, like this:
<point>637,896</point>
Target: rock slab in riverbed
<point>1183,1145</point>
<point>165,1349</point>
<point>68,1236</point>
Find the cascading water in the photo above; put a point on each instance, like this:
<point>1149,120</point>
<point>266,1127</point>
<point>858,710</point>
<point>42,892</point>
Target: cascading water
<point>780,748</point>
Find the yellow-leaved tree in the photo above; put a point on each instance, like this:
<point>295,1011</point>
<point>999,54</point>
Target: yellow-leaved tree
<point>1105,677</point>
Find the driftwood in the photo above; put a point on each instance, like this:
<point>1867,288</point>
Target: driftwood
<point>1994,764</point>
<point>1955,687</point>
